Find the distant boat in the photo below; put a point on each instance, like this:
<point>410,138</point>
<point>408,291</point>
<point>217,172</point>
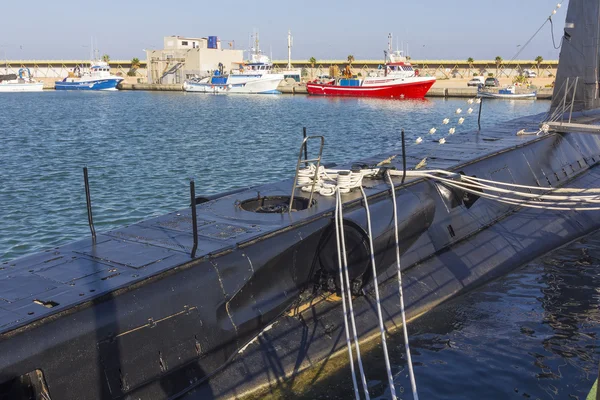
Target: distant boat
<point>255,77</point>
<point>20,82</point>
<point>508,93</point>
<point>97,78</point>
<point>398,80</point>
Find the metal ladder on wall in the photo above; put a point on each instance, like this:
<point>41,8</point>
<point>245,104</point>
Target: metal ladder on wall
<point>306,161</point>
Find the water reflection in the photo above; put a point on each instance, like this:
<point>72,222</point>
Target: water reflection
<point>531,334</point>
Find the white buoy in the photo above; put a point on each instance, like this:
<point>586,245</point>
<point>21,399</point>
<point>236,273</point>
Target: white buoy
<point>558,5</point>
<point>469,111</point>
<point>470,101</point>
<point>458,110</point>
<point>446,121</point>
<point>478,101</point>
<point>432,131</point>
<point>442,141</point>
<point>553,12</point>
<point>461,120</point>
<point>451,131</point>
<point>419,140</point>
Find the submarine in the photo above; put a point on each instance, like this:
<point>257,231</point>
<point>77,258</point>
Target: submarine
<point>238,292</point>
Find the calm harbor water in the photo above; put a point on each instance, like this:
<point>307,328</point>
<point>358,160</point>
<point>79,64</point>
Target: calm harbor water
<point>532,334</point>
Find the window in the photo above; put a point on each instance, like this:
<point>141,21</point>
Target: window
<point>184,43</point>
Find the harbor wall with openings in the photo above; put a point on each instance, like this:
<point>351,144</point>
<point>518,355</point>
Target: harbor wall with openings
<point>61,68</point>
<point>444,69</point>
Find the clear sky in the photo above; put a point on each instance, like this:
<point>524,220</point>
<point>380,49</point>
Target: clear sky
<point>324,29</point>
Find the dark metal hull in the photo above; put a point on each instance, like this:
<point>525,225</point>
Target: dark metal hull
<point>132,316</point>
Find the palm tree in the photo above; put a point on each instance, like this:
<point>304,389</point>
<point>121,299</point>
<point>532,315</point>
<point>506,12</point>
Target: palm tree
<point>350,59</point>
<point>105,58</point>
<point>135,64</point>
<point>312,62</point>
<point>498,60</point>
<point>470,61</point>
<point>539,60</point>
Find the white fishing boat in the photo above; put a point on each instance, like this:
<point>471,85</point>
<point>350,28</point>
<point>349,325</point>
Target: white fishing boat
<point>509,92</point>
<point>254,77</point>
<point>20,83</point>
<point>98,77</point>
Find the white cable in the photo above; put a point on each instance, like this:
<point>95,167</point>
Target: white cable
<point>345,310</point>
<point>377,299</point>
<point>542,188</point>
<point>411,374</point>
<point>349,295</point>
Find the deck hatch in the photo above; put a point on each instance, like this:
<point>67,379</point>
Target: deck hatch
<point>181,223</point>
<point>225,231</point>
<point>72,270</point>
<point>130,254</point>
<point>23,286</point>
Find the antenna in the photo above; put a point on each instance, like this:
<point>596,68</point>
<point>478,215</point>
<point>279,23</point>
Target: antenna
<point>289,50</point>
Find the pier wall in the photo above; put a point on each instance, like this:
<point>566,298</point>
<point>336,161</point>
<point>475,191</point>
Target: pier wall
<point>438,68</point>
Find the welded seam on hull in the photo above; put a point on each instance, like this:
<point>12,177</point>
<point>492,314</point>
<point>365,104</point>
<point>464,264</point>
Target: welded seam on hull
<point>251,266</point>
<point>225,296</point>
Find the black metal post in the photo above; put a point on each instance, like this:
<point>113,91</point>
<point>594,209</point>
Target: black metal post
<point>88,200</point>
<point>194,220</point>
<point>305,146</point>
<point>479,117</point>
<point>403,158</point>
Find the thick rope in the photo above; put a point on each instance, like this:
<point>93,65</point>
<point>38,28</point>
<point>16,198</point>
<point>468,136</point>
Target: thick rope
<point>413,383</point>
<point>345,310</point>
<point>377,299</point>
<point>349,293</point>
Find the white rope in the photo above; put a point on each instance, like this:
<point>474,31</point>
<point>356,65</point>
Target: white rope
<point>345,310</point>
<point>413,383</point>
<point>349,292</point>
<point>377,299</point>
<point>549,205</point>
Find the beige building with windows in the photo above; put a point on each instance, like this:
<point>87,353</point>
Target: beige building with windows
<point>184,58</point>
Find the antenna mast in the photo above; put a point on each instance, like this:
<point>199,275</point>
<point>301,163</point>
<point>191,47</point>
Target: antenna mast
<point>289,49</point>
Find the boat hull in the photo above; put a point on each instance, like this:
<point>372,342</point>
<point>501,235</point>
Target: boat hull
<point>100,84</point>
<point>21,87</point>
<point>518,96</point>
<point>410,90</point>
<point>233,86</point>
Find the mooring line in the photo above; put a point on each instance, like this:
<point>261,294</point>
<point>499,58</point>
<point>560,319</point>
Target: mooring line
<point>378,301</point>
<point>413,383</point>
<point>345,310</point>
<point>349,294</point>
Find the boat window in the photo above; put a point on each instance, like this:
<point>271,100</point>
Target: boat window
<point>184,43</point>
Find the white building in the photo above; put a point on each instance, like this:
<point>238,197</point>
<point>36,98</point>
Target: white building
<point>183,58</point>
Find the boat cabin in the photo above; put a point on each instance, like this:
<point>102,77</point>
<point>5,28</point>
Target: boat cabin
<point>400,69</point>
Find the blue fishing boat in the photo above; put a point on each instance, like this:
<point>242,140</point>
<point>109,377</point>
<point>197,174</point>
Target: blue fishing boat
<point>97,78</point>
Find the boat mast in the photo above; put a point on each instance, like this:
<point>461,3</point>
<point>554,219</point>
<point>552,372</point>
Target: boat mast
<point>289,49</point>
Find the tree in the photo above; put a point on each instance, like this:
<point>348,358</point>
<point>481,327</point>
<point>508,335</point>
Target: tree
<point>470,61</point>
<point>350,59</point>
<point>498,60</point>
<point>135,65</point>
<point>538,61</point>
<point>105,58</point>
<point>312,62</point>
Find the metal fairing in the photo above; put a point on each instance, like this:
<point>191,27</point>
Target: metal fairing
<point>131,315</point>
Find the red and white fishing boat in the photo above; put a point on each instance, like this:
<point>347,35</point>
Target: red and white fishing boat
<point>398,80</point>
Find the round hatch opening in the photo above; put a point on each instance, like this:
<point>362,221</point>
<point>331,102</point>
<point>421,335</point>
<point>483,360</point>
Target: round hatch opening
<point>274,204</point>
